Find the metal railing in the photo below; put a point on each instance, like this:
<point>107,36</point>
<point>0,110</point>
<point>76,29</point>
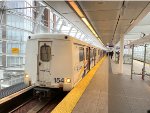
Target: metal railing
<point>143,70</point>
<point>6,82</point>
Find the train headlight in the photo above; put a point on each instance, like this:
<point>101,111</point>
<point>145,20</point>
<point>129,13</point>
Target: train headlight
<point>68,80</point>
<point>27,76</point>
<point>27,80</point>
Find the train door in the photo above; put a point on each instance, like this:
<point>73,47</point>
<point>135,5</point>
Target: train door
<point>44,62</point>
<point>88,59</point>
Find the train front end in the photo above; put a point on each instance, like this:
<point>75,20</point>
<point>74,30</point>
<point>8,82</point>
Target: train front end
<point>49,65</point>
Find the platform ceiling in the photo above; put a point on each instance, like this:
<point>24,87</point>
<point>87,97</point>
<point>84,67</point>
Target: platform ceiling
<point>109,18</point>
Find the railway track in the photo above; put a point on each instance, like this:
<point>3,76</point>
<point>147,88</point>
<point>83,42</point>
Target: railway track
<point>34,105</point>
<point>21,108</point>
<point>13,103</point>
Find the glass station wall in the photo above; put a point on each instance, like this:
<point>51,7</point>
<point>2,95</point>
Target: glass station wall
<point>139,53</point>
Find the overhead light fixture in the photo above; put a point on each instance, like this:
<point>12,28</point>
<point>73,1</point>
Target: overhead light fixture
<point>100,40</point>
<point>132,21</point>
<point>89,26</point>
<point>76,8</point>
<point>82,16</point>
<point>85,21</point>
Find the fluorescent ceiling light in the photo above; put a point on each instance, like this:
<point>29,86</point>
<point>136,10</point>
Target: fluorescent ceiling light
<point>132,21</point>
<point>89,26</point>
<point>76,8</point>
<point>85,21</point>
<point>82,16</point>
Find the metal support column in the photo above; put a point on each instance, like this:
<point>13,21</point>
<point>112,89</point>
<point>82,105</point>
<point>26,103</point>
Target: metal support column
<point>2,9</point>
<point>76,34</point>
<point>38,18</point>
<point>59,30</point>
<point>121,53</point>
<point>55,25</point>
<point>70,30</point>
<point>132,60</point>
<point>143,69</point>
<point>114,56</point>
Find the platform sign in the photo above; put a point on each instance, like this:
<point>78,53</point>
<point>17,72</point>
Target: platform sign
<point>15,50</point>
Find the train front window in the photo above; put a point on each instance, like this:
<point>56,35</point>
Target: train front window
<point>45,53</point>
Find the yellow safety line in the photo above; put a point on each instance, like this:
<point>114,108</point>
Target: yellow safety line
<point>69,102</point>
<point>82,70</point>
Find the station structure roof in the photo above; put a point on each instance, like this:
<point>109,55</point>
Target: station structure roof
<point>109,19</point>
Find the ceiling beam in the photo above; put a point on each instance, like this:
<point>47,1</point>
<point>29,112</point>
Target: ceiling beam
<point>145,40</point>
<point>139,18</point>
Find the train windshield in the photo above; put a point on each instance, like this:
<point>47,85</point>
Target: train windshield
<point>45,53</point>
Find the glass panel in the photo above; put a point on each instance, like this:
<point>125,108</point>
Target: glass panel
<point>81,54</point>
<point>0,47</point>
<point>78,35</point>
<point>73,32</point>
<point>138,57</point>
<point>45,53</point>
<point>0,59</point>
<point>147,66</point>
<point>0,34</point>
<point>91,53</point>
<point>94,52</point>
<point>87,53</point>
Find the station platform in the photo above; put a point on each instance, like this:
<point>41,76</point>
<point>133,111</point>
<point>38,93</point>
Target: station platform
<point>109,92</point>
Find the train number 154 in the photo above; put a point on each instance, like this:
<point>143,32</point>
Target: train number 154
<point>58,80</point>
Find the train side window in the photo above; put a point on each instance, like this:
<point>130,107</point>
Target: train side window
<point>91,53</point>
<point>98,52</point>
<point>87,53</point>
<point>45,53</point>
<point>94,52</point>
<point>81,54</point>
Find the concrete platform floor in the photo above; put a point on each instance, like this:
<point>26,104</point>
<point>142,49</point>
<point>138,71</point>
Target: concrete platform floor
<point>111,92</point>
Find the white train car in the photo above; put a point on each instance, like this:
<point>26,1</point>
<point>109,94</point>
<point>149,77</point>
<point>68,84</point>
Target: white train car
<point>58,60</point>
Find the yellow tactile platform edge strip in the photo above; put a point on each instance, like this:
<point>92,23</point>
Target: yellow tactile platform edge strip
<point>69,102</point>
